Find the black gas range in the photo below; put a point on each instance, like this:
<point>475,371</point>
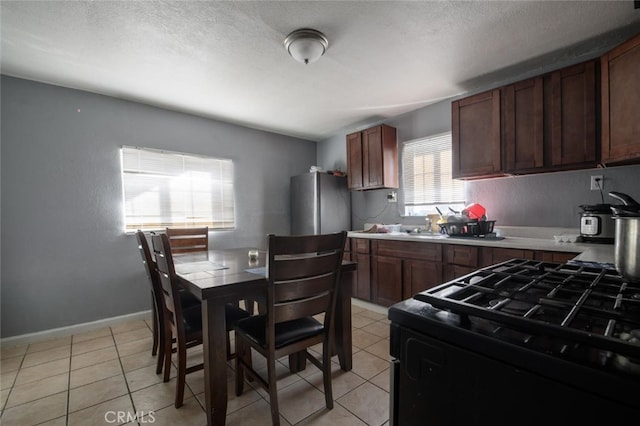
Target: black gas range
<point>521,342</point>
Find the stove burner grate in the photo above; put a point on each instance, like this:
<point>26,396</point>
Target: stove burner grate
<point>583,304</point>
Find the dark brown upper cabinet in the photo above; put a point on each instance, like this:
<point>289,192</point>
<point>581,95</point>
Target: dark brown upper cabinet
<point>475,135</point>
<point>372,158</point>
<point>571,117</point>
<point>545,123</point>
<point>621,103</point>
<point>523,141</point>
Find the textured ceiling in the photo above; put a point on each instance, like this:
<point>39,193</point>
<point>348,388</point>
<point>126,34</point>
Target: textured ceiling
<point>226,60</point>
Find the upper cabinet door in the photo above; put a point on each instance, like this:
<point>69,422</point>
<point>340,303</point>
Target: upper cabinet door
<point>523,142</point>
<point>572,116</point>
<point>621,103</point>
<point>354,161</point>
<point>475,132</point>
<point>372,157</point>
<point>373,166</point>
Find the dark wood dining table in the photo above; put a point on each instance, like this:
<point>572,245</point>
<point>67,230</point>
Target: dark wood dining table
<point>218,277</point>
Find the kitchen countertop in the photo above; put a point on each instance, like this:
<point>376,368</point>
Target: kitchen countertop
<point>587,252</point>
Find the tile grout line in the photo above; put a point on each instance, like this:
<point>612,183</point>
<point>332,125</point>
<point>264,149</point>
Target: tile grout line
<point>124,376</point>
<point>112,335</point>
<point>66,422</point>
<point>13,384</point>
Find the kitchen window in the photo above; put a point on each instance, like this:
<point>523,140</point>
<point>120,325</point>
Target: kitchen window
<point>170,189</point>
<point>426,176</point>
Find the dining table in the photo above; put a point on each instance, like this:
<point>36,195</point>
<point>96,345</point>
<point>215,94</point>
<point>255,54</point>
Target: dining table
<point>218,277</point>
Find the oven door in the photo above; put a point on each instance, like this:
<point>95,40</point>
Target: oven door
<point>438,383</point>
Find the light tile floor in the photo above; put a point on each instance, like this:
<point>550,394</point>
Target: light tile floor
<point>107,377</point>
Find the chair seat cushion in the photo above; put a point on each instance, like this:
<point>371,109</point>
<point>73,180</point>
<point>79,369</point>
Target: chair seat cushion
<point>286,332</point>
<point>188,299</point>
<point>192,316</point>
<point>234,314</point>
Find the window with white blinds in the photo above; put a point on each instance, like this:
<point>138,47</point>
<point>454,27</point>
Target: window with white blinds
<point>427,182</point>
<point>169,189</point>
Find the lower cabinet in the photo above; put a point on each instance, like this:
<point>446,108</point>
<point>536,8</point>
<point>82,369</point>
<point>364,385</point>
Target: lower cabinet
<point>419,275</point>
<point>386,280</point>
<point>389,271</point>
<point>400,269</point>
<point>362,281</point>
<point>394,279</point>
<point>460,260</point>
<point>359,253</point>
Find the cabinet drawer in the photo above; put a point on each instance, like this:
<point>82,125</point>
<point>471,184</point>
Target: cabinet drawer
<point>555,256</point>
<point>462,255</point>
<point>504,254</point>
<point>408,250</point>
<point>360,245</point>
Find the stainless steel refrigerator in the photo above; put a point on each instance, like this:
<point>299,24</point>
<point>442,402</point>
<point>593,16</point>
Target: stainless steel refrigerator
<point>320,204</point>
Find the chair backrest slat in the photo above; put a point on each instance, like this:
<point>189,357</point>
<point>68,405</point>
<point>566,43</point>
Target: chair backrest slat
<point>188,240</point>
<point>297,289</point>
<point>302,308</point>
<point>293,267</point>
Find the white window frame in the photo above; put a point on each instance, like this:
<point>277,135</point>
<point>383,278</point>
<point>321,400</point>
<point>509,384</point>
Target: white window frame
<point>421,199</point>
<point>163,189</point>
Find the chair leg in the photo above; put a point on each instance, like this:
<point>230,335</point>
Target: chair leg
<point>247,360</point>
<point>154,327</point>
<point>160,330</point>
<point>248,305</point>
<point>182,371</point>
<point>161,357</point>
<point>167,353</point>
<point>240,356</point>
<point>273,392</point>
<point>326,375</point>
<point>297,362</point>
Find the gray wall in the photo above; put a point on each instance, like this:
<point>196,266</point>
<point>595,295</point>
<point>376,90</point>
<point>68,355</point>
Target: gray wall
<point>65,257</point>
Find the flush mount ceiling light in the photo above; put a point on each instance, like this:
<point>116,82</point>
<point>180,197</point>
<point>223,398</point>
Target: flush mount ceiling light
<point>306,45</point>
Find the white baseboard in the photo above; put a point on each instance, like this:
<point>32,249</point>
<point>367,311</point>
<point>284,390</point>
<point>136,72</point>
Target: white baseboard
<point>54,333</point>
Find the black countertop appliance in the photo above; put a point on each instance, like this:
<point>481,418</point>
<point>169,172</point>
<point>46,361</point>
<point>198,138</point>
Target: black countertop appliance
<point>522,342</point>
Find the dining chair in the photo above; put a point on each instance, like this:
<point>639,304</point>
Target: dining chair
<point>182,325</point>
<point>302,282</point>
<point>188,240</point>
<point>187,299</point>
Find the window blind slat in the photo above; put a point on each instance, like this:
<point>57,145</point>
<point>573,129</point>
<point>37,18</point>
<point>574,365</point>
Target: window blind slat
<point>168,189</point>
